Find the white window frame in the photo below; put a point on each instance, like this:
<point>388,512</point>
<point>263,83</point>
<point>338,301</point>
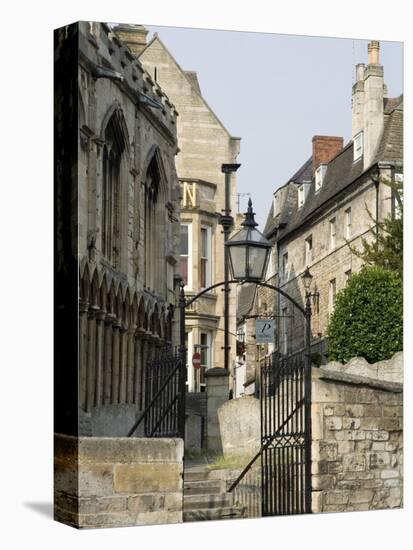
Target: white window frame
<point>358,146</point>
<point>333,233</point>
<point>208,274</point>
<point>190,368</point>
<point>309,252</point>
<point>209,351</point>
<point>319,177</point>
<point>347,222</point>
<point>332,294</point>
<point>188,286</point>
<point>301,196</point>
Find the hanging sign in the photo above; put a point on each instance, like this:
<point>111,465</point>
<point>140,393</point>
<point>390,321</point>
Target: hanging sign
<point>264,331</point>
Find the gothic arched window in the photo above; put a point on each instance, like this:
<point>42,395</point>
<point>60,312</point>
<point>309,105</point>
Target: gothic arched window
<point>154,226</point>
<point>113,153</point>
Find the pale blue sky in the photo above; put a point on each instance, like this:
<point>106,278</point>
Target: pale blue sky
<point>275,92</point>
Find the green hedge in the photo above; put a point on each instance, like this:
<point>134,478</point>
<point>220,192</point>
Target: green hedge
<point>368,317</point>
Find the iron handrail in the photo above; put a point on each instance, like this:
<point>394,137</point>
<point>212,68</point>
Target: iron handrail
<point>265,446</point>
<point>155,397</point>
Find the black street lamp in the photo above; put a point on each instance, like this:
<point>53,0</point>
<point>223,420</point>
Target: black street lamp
<point>248,251</point>
<point>246,255</point>
<point>307,279</point>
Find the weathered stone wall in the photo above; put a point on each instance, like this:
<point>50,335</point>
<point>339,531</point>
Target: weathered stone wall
<point>114,482</point>
<point>204,145</point>
<point>217,384</point>
<point>357,433</point>
<point>239,423</point>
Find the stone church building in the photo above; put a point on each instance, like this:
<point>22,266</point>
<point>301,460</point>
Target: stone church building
<point>204,145</point>
<point>128,229</point>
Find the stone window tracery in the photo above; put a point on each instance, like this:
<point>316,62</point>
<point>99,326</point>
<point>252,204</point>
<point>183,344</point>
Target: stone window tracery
<point>113,152</point>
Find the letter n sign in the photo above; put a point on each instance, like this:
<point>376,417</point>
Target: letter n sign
<point>264,331</point>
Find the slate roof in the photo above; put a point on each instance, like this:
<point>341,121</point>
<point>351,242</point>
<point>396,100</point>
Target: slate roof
<point>391,145</point>
<point>342,171</point>
<point>245,301</point>
<point>303,174</point>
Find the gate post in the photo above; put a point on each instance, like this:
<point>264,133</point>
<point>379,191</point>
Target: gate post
<point>217,388</point>
<point>307,383</point>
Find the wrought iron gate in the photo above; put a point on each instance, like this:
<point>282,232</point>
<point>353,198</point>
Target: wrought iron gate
<point>285,390</point>
<point>164,415</point>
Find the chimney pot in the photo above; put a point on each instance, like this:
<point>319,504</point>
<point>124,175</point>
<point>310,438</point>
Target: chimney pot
<point>373,50</point>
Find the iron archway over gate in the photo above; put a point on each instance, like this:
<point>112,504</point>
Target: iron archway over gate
<point>285,398</point>
<point>285,402</point>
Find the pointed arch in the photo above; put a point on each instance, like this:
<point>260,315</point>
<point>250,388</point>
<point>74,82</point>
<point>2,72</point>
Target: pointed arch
<point>103,291</point>
<point>141,313</point>
<point>126,308</point>
<point>114,130</point>
<point>94,289</point>
<point>111,303</point>
<point>115,170</point>
<point>85,285</point>
<point>155,219</point>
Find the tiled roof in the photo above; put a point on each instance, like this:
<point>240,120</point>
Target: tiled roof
<point>391,145</point>
<point>302,175</point>
<point>341,170</point>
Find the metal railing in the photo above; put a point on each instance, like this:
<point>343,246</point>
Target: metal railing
<point>275,482</point>
<point>165,397</point>
<point>248,491</point>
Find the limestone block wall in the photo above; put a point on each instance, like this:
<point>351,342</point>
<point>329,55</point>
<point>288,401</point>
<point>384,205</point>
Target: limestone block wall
<point>116,481</point>
<point>240,426</point>
<point>357,434</point>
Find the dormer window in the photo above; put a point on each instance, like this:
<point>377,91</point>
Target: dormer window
<point>302,193</point>
<point>319,176</point>
<point>300,196</point>
<point>358,146</point>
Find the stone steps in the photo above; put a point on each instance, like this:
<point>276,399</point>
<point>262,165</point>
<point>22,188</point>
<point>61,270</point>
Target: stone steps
<point>206,498</point>
<point>196,502</point>
<point>204,487</point>
<point>228,512</point>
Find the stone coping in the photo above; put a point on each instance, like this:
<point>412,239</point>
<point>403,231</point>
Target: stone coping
<point>119,449</point>
<point>326,373</point>
<point>216,371</point>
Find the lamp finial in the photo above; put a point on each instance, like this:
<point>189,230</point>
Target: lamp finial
<point>249,216</point>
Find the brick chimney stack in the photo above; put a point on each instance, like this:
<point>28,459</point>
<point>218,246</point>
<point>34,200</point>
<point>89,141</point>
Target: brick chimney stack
<point>134,36</point>
<point>324,149</point>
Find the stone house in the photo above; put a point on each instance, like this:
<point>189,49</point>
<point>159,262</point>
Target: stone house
<point>326,204</point>
<point>127,229</point>
<point>204,145</point>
